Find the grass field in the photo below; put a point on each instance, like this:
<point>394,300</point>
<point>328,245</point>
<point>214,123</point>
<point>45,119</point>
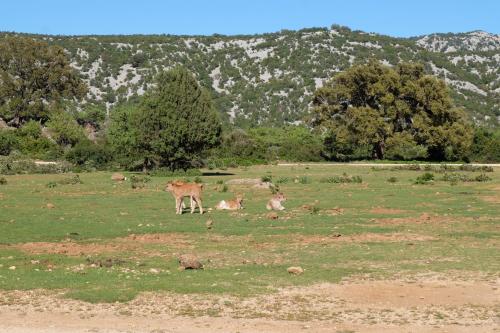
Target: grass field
<point>104,242</point>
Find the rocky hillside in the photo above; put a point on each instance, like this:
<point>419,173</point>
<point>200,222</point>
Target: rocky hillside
<point>269,78</point>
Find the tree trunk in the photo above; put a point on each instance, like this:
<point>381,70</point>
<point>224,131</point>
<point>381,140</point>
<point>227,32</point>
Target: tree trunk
<point>379,150</point>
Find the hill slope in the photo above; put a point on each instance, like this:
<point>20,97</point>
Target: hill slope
<point>269,78</point>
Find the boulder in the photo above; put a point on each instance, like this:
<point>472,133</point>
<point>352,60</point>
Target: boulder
<point>295,270</point>
<point>118,177</point>
<point>189,261</point>
<point>244,181</point>
<point>263,185</point>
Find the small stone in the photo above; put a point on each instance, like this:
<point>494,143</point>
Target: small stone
<point>50,206</point>
<point>12,268</point>
<point>209,224</point>
<point>154,271</point>
<point>295,270</point>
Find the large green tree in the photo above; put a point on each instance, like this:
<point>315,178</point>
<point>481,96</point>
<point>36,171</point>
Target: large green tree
<point>390,112</point>
<point>174,124</point>
<point>35,78</point>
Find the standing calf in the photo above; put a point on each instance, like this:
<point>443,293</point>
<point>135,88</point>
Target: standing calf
<point>180,190</point>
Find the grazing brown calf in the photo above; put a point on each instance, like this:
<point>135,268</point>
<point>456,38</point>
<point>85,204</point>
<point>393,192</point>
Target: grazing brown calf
<point>180,190</point>
<point>275,202</point>
<point>234,204</point>
<point>192,203</point>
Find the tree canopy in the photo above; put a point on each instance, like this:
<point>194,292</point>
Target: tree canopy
<point>395,112</point>
<point>172,126</point>
<point>34,78</point>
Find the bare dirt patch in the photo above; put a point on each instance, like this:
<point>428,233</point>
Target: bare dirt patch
<point>172,239</point>
<point>402,294</point>
<point>383,210</point>
<point>491,199</point>
<point>361,238</point>
<point>427,305</point>
<point>67,248</point>
<point>131,242</point>
<point>424,218</point>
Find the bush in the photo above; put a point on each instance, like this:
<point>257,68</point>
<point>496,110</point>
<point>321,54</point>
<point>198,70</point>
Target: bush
<point>51,184</point>
<point>474,168</point>
<point>35,144</point>
<point>411,167</point>
<point>486,145</point>
<point>345,178</point>
<point>456,177</point>
<point>265,145</point>
<point>139,181</point>
<point>88,153</point>
<point>282,180</point>
<point>426,178</point>
<point>392,180</point>
<point>3,181</point>
<point>266,179</point>
<point>65,181</point>
<point>8,142</point>
<point>64,129</point>
<point>482,178</point>
<point>304,180</point>
<point>198,180</point>
<point>71,180</point>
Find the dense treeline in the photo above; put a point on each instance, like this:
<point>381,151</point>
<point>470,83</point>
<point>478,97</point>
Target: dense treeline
<point>368,111</point>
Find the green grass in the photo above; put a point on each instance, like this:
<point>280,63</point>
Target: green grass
<point>245,252</point>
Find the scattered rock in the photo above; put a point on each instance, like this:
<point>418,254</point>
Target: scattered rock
<point>295,270</point>
<point>50,206</point>
<point>104,262</point>
<point>118,177</point>
<point>272,215</point>
<point>335,211</point>
<point>189,261</point>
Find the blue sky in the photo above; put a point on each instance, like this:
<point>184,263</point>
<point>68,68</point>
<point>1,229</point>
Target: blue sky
<point>391,17</point>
